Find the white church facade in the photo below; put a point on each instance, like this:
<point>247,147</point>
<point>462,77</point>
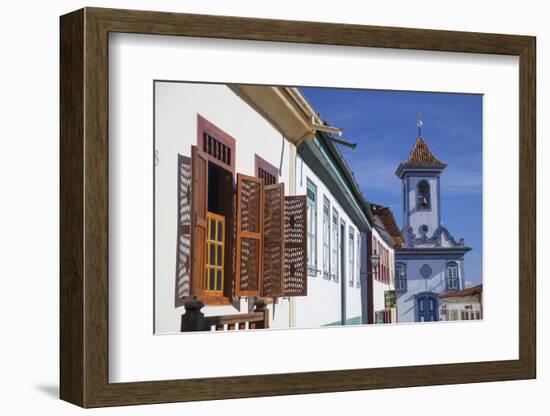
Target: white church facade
<point>431,261</point>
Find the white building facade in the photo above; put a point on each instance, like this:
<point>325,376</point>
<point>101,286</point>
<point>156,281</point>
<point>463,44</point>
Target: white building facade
<point>235,208</point>
<point>463,305</point>
<point>334,248</point>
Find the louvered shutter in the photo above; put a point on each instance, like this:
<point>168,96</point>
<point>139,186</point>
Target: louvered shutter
<point>199,208</point>
<point>183,244</point>
<point>295,277</point>
<point>249,251</point>
<point>273,244</point>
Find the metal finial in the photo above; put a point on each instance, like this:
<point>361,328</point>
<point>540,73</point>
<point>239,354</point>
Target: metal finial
<point>419,123</point>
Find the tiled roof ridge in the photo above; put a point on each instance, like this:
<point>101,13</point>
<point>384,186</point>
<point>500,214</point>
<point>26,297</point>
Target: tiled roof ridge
<point>388,221</point>
<point>421,156</point>
<point>463,293</point>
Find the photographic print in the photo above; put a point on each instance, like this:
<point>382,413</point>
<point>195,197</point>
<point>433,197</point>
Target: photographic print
<point>301,207</point>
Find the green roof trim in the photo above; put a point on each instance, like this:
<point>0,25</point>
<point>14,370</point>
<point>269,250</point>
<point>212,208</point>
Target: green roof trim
<point>328,163</point>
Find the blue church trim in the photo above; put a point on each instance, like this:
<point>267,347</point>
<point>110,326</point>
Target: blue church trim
<point>436,239</point>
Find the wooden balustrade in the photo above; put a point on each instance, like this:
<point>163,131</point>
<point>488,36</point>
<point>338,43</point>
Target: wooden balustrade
<point>194,320</point>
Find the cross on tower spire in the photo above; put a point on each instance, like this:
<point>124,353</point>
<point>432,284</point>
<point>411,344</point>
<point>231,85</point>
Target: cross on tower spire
<point>419,123</point>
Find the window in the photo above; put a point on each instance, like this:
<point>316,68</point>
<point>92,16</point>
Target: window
<point>326,238</point>
<point>423,195</point>
<point>454,315</point>
<point>400,276</point>
<point>358,262</point>
<point>183,252</point>
<point>215,144</point>
<point>464,315</point>
<point>334,247</point>
<point>383,316</point>
<point>404,198</point>
<point>251,241</point>
<point>452,276</point>
<point>311,228</point>
<point>215,247</point>
<point>268,173</point>
<point>351,257</point>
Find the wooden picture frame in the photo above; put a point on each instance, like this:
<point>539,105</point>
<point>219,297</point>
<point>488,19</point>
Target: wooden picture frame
<point>84,207</point>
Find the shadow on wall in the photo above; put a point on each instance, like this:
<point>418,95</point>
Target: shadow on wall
<point>51,390</point>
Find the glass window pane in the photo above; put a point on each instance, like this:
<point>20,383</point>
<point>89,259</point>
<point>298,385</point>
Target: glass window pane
<point>212,277</point>
<point>219,280</point>
<point>211,229</point>
<point>212,251</point>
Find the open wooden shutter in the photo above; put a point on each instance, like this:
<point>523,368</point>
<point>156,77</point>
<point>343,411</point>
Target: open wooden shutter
<point>199,209</point>
<point>183,244</point>
<point>274,241</point>
<point>249,251</point>
<point>295,277</point>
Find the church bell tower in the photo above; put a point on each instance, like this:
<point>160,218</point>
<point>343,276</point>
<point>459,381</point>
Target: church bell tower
<point>420,175</point>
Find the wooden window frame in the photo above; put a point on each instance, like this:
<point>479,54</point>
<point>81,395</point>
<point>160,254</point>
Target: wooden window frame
<point>206,126</point>
<point>273,274</point>
<point>212,217</point>
<point>251,235</point>
<point>261,163</point>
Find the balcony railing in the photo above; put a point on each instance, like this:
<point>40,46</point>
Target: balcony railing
<point>194,320</point>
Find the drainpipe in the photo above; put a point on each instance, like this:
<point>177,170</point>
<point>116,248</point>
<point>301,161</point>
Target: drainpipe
<point>292,191</point>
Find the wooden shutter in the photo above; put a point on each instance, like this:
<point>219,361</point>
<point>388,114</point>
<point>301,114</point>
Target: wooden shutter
<point>199,208</point>
<point>249,251</point>
<point>295,278</point>
<point>274,241</point>
<point>183,244</point>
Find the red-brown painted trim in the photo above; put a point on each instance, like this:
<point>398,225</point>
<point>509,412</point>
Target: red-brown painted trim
<point>206,126</point>
<point>260,162</point>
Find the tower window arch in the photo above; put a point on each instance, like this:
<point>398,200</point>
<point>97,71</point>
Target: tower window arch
<point>400,276</point>
<point>423,192</point>
<point>452,276</point>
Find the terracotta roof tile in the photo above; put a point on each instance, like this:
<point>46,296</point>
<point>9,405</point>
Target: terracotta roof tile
<point>474,290</point>
<point>421,156</point>
<point>388,221</point>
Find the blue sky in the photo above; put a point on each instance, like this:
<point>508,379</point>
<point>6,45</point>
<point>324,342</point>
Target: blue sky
<point>383,124</point>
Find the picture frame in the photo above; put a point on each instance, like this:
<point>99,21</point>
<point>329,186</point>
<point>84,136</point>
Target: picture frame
<point>84,217</point>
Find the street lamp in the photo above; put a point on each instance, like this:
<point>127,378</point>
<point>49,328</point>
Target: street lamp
<point>374,261</point>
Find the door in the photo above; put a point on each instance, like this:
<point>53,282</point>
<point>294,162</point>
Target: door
<point>343,277</point>
<point>427,307</point>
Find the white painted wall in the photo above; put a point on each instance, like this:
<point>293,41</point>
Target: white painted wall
<point>176,109</point>
<point>416,283</point>
<point>322,306</point>
<point>460,305</point>
<point>416,216</point>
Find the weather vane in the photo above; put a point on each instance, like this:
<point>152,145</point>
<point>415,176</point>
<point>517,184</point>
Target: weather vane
<point>419,123</point>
